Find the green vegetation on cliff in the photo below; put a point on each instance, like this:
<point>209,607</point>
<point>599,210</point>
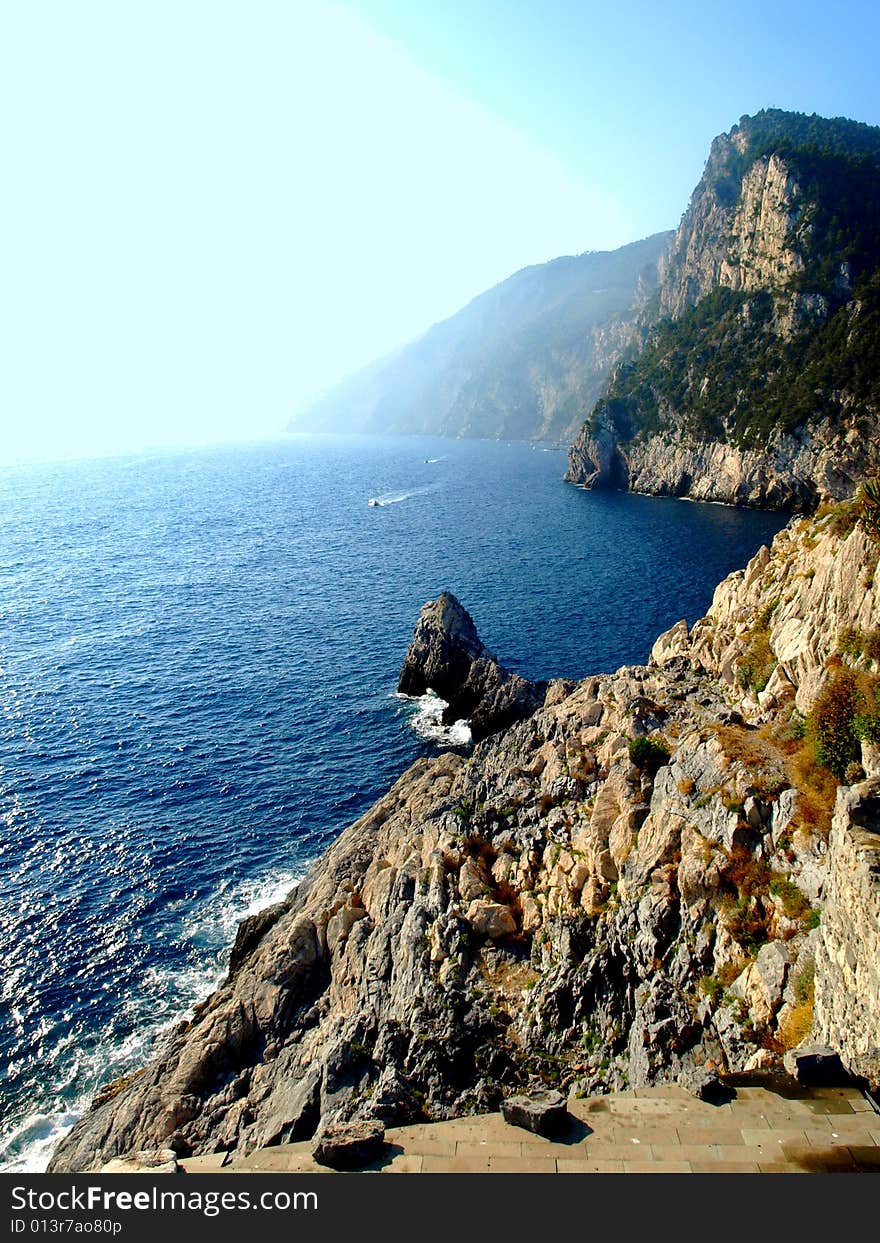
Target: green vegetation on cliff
<point>722,372</point>
<point>751,357</point>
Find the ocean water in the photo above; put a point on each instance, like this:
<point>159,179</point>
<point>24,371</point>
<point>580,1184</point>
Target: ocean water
<point>198,662</point>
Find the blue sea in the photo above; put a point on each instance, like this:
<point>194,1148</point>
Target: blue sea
<point>198,662</point>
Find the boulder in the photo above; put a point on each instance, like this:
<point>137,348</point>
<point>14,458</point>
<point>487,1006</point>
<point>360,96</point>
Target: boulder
<point>393,1101</point>
<point>705,1084</point>
<point>771,967</point>
<point>148,1161</point>
<point>542,1112</point>
<point>672,643</point>
<point>816,1065</point>
<point>870,759</point>
<point>444,645</point>
<point>349,1145</point>
<point>491,919</point>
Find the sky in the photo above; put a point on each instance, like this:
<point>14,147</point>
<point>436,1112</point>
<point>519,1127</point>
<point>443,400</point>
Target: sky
<point>215,209</point>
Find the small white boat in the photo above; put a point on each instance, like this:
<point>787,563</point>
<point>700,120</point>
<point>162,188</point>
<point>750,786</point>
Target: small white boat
<point>373,501</point>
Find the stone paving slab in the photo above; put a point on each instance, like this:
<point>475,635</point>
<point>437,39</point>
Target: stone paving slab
<point>601,1151</point>
<point>656,1130</point>
<point>433,1147</point>
<point>395,1161</point>
<point>455,1165</point>
<point>522,1165</point>
<point>836,1139</point>
<point>537,1146</point>
<point>480,1148</point>
<point>750,1135</point>
<point>569,1165</point>
<point>837,1094</point>
<point>867,1157</point>
<point>668,1134</point>
<point>208,1163</point>
<point>771,1139</point>
<point>814,1158</point>
<point>724,1167</point>
<point>653,1167</point>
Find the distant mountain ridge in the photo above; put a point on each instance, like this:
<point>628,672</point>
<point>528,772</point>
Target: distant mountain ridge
<point>755,375</point>
<point>736,360</point>
<point>525,360</point>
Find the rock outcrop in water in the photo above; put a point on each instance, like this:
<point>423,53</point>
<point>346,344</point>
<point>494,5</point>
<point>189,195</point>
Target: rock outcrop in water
<point>624,888</point>
<point>756,381</point>
<point>448,657</point>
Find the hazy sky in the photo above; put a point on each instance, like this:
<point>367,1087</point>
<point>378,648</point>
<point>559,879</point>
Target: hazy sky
<point>214,208</point>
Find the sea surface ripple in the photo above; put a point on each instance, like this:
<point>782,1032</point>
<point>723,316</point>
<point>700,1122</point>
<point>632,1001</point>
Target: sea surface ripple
<point>198,660</point>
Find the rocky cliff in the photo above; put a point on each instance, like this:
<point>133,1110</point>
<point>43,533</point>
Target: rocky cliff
<point>792,470</point>
<point>625,887</point>
<point>847,962</point>
<point>525,360</point>
<point>756,379</point>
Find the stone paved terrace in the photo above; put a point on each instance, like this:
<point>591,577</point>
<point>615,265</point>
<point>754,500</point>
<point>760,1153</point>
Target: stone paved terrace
<point>649,1130</point>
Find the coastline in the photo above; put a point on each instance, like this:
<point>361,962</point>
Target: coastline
<point>123,621</point>
<point>489,908</point>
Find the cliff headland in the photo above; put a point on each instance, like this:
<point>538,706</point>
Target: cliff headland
<point>663,874</point>
<point>753,377</point>
<point>732,360</point>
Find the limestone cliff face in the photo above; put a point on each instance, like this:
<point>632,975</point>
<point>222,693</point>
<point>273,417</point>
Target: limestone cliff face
<point>742,387</point>
<point>818,580</point>
<point>624,888</point>
<point>742,238</point>
<point>793,471</point>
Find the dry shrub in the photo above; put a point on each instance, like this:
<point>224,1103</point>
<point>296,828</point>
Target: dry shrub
<point>817,789</point>
<point>727,974</point>
<point>844,517</point>
<point>751,747</point>
<point>831,722</point>
<point>757,662</point>
<point>785,738</point>
<point>794,902</point>
<point>702,847</point>
<point>111,1090</point>
<point>796,1026</point>
<point>746,873</point>
<point>857,643</point>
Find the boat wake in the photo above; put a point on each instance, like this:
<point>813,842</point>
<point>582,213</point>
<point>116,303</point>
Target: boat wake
<point>395,498</point>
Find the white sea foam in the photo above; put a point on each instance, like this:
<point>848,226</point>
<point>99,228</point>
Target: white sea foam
<point>427,721</point>
<point>28,1148</point>
<point>169,996</point>
<point>217,918</point>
